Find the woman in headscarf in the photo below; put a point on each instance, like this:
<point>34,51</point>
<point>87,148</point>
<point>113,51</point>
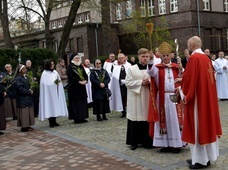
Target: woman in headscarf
<point>25,110</point>
<point>77,79</point>
<point>99,78</point>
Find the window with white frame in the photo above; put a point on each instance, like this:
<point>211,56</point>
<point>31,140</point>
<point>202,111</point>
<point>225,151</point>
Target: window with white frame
<point>129,8</point>
<point>150,7</point>
<point>60,23</point>
<point>118,11</point>
<point>173,6</point>
<point>87,17</point>
<point>226,5</point>
<point>162,8</point>
<point>206,5</point>
<point>142,8</point>
<point>53,24</point>
<point>79,19</point>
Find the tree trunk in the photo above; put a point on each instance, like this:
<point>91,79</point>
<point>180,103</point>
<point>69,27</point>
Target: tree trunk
<point>67,27</point>
<point>5,24</point>
<point>110,40</point>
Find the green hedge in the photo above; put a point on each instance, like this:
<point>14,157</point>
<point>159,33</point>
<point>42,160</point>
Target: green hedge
<point>37,56</point>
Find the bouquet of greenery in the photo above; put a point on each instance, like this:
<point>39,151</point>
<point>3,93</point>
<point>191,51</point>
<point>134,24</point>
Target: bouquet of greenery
<point>8,81</point>
<point>33,84</point>
<point>57,80</point>
<point>79,72</point>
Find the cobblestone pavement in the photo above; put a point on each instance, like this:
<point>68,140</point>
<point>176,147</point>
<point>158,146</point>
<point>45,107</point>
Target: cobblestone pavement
<point>92,145</point>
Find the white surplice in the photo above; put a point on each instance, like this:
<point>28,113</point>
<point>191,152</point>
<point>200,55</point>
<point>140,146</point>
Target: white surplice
<point>88,86</point>
<point>221,77</point>
<point>173,136</point>
<point>52,96</point>
<point>116,100</point>
<point>137,94</point>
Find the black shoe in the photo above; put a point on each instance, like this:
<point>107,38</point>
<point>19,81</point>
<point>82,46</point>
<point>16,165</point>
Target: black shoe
<point>77,121</point>
<point>176,150</point>
<point>30,128</point>
<point>197,166</point>
<point>133,147</point>
<point>56,124</point>
<point>166,149</point>
<point>99,118</point>
<point>123,115</point>
<point>24,129</point>
<point>84,121</point>
<point>104,117</point>
<point>190,162</point>
<point>1,133</point>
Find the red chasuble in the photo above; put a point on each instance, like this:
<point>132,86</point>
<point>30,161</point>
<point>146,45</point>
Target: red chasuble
<point>161,80</point>
<point>198,80</point>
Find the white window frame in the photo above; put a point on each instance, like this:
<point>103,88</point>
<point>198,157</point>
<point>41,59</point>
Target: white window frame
<point>150,7</point>
<point>79,19</point>
<point>87,18</point>
<point>53,24</point>
<point>118,11</point>
<point>60,24</point>
<point>173,6</point>
<point>226,5</point>
<point>129,8</point>
<point>162,7</point>
<point>142,8</point>
<point>206,5</point>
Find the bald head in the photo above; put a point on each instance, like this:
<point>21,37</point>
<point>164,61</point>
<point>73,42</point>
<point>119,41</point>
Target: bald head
<point>194,43</point>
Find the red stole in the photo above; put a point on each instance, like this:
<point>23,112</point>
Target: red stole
<point>152,110</point>
<point>161,79</point>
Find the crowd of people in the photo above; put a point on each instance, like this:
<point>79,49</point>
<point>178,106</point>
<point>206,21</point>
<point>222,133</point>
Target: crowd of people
<point>140,91</point>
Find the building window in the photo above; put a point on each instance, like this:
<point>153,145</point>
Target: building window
<point>60,23</point>
<point>87,17</point>
<point>53,24</point>
<point>150,7</point>
<point>79,19</point>
<point>226,5</point>
<point>206,5</point>
<point>162,8</point>
<point>44,44</point>
<point>142,8</point>
<point>129,9</point>
<point>118,11</point>
<point>65,3</point>
<point>173,6</point>
<point>79,44</point>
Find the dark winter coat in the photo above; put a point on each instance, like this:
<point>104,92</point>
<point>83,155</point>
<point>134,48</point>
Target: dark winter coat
<point>24,96</point>
<point>76,90</point>
<point>97,91</point>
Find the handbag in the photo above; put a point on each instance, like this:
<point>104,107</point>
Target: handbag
<point>107,92</point>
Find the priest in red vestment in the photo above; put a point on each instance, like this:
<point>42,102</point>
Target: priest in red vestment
<point>202,126</point>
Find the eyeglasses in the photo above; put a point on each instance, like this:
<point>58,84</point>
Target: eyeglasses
<point>98,63</point>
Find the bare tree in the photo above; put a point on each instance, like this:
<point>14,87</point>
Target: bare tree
<point>109,37</point>
<point>4,21</point>
<point>67,27</point>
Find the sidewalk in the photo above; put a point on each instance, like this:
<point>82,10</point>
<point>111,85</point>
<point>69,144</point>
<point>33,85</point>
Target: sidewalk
<point>92,145</point>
